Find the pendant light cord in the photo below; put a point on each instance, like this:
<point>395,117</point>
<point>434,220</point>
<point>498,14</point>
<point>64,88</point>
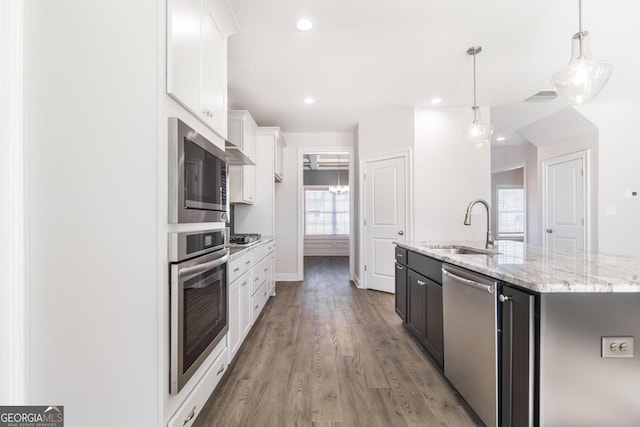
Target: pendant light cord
<point>475,104</point>
<point>580,33</point>
<point>580,16</point>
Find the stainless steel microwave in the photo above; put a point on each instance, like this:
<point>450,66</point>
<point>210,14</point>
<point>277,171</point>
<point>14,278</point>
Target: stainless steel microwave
<point>197,177</point>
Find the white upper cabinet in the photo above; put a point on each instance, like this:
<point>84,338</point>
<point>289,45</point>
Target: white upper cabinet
<point>279,157</point>
<point>197,32</point>
<point>242,178</point>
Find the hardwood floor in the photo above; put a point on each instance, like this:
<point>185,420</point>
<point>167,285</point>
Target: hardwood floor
<point>325,353</point>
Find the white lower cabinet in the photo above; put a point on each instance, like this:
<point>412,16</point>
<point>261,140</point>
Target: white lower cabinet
<point>239,311</point>
<point>188,412</point>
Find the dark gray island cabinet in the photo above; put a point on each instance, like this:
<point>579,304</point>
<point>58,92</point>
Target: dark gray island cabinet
<point>419,299</point>
<point>567,327</point>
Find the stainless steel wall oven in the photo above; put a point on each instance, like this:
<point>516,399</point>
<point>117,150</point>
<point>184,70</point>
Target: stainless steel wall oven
<point>197,177</point>
<point>198,299</point>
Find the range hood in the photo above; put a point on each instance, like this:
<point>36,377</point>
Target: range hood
<point>235,156</point>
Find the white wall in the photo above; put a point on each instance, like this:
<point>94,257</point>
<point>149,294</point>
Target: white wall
<point>448,174</point>
<point>326,246</point>
<point>619,152</point>
<point>385,132</point>
<point>92,209</point>
<point>287,197</point>
<point>12,186</point>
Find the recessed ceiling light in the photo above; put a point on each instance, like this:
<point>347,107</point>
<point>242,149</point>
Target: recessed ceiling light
<point>304,24</point>
<point>309,100</point>
<point>436,100</point>
<point>500,138</point>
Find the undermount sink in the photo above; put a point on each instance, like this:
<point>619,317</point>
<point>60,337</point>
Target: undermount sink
<point>461,250</point>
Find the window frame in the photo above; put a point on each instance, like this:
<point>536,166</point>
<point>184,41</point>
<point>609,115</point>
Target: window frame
<point>304,204</point>
<point>519,236</point>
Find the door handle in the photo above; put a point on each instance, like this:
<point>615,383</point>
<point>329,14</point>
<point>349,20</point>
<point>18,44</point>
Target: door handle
<point>401,233</point>
<point>548,230</point>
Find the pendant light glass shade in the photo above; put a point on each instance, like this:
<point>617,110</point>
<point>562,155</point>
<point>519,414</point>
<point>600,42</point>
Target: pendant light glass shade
<point>584,77</point>
<point>477,133</point>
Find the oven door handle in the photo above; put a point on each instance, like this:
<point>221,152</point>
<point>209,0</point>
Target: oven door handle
<point>189,272</point>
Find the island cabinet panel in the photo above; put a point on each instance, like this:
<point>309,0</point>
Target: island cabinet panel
<point>518,358</point>
<point>419,299</point>
<point>401,284</point>
<point>434,338</point>
<point>416,305</point>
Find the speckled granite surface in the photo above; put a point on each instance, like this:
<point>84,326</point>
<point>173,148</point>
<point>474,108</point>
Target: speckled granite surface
<point>542,270</point>
<point>236,251</point>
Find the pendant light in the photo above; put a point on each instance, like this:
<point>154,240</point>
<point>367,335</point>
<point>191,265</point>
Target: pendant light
<point>581,80</point>
<point>477,133</point>
<point>339,189</point>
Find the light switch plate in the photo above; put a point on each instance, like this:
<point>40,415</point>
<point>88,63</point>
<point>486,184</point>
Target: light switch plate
<point>617,347</point>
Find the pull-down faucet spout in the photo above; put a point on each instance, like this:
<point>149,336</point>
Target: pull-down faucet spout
<point>467,220</point>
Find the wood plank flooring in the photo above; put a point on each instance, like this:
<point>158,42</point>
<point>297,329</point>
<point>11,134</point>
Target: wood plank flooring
<point>324,353</point>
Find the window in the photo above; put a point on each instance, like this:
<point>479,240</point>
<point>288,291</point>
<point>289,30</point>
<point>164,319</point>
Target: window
<point>510,212</point>
<point>326,213</point>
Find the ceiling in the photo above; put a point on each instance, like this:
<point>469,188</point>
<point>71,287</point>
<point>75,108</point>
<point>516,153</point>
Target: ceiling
<point>326,161</point>
<point>364,56</point>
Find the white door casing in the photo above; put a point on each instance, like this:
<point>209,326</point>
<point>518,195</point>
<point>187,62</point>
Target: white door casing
<point>565,202</point>
<point>385,218</point>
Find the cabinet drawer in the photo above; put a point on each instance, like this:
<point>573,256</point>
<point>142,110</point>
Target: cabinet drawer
<point>259,252</point>
<point>401,256</point>
<point>239,266</point>
<point>428,267</point>
<point>188,412</point>
<point>258,300</point>
<point>259,275</point>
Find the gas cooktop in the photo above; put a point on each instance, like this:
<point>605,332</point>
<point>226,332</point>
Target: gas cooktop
<point>244,238</point>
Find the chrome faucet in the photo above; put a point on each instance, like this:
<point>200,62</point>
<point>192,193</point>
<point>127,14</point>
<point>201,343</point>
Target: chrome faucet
<point>467,220</point>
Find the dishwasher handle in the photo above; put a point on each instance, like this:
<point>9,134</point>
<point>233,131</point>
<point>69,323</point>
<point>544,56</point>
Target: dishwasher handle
<point>470,283</point>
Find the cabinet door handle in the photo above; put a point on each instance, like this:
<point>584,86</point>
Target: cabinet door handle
<point>244,283</point>
<point>399,267</point>
<point>256,279</point>
<point>221,370</point>
<point>504,298</point>
<point>236,269</point>
<point>248,262</point>
<point>190,417</point>
<point>421,283</point>
<point>256,306</point>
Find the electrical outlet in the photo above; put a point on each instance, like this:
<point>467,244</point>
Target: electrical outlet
<point>617,347</point>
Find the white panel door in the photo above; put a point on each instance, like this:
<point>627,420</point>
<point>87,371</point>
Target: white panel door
<point>385,207</point>
<point>565,203</point>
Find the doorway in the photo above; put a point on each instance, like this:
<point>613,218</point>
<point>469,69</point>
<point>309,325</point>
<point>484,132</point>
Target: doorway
<point>325,205</point>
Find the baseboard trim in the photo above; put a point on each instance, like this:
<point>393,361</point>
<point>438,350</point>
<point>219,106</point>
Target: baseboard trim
<point>286,277</point>
<point>356,280</point>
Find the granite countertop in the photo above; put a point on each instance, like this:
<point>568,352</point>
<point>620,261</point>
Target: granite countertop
<point>542,270</point>
<point>236,251</point>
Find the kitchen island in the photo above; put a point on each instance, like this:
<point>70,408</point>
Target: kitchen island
<point>566,326</point>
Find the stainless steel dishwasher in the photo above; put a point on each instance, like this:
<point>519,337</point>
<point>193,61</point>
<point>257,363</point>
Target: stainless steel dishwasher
<point>470,339</point>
